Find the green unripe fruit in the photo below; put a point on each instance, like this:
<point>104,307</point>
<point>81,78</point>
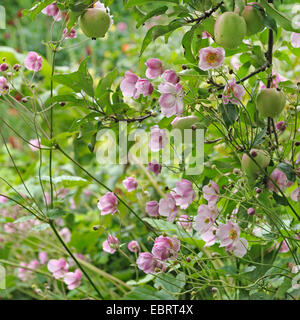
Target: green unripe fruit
<point>94,23</point>
<point>254,19</point>
<point>250,167</point>
<point>230,29</point>
<point>270,102</point>
<point>184,122</point>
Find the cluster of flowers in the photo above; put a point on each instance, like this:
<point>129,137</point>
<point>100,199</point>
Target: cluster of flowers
<point>60,270</point>
<point>171,99</point>
<point>166,248</point>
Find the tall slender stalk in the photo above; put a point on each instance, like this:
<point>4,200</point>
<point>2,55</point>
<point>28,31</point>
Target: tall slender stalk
<point>51,223</point>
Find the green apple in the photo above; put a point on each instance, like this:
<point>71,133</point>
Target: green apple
<point>94,23</point>
<point>230,29</point>
<point>250,167</point>
<point>254,18</point>
<point>270,102</point>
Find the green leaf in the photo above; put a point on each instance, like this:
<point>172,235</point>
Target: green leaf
<point>288,170</point>
<point>153,13</point>
<point>25,218</point>
<point>270,23</point>
<point>187,43</point>
<point>280,18</point>
<point>260,137</point>
<point>279,199</point>
<point>148,293</point>
<point>79,80</point>
<point>37,8</point>
<point>170,283</point>
<point>103,90</point>
<point>132,3</point>
<point>40,227</point>
<point>55,213</point>
<point>65,98</point>
<point>229,112</point>
<point>158,31</point>
<point>67,181</point>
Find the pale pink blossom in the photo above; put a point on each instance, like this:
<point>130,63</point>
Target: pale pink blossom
<point>128,83</point>
<point>165,248</point>
<point>35,144</point>
<point>58,267</point>
<point>233,92</point>
<point>72,203</point>
<point>211,58</point>
<point>73,279</point>
<point>10,227</point>
<point>149,264</point>
<point>154,68</point>
<point>167,207</point>
<point>144,87</point>
<point>206,35</point>
<point>185,193</point>
<point>276,79</point>
<point>295,195</point>
<point>211,192</point>
<point>295,40</point>
<point>155,167</point>
<point>33,264</point>
<point>3,83</point>
<point>283,246</point>
<point>65,233</point>
<point>238,247</point>
<point>72,34</point>
<point>122,26</point>
<point>110,244</point>
<point>171,99</point>
<point>158,138</point>
<point>209,237</point>
<point>152,208</point>
<point>43,257</point>
<point>23,273</point>
<point>52,11</point>
<point>186,222</point>
<point>206,216</point>
<point>108,203</point>
<point>130,184</point>
<point>281,180</point>
<point>171,76</point>
<point>33,61</point>
<point>3,199</point>
<point>134,246</point>
<point>228,233</point>
<point>235,62</point>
